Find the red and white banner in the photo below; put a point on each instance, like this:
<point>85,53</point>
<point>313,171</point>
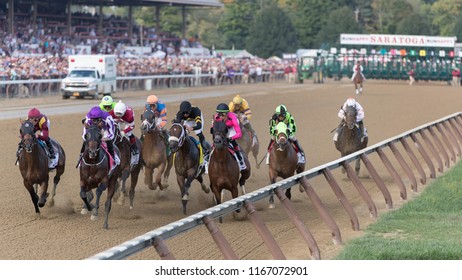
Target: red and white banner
<point>397,40</point>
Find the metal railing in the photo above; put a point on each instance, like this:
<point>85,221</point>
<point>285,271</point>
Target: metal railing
<point>444,144</point>
<point>33,88</point>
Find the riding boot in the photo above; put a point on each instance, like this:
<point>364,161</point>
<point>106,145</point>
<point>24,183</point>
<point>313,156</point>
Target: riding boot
<point>134,149</point>
<point>110,149</point>
<point>50,148</point>
<point>242,165</point>
<point>204,145</point>
<point>362,131</point>
<point>301,157</point>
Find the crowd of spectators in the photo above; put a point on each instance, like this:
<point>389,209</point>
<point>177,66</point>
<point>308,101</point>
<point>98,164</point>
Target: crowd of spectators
<point>42,52</point>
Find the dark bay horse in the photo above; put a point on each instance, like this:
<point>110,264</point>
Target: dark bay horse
<point>246,142</point>
<point>94,173</point>
<point>33,163</point>
<point>358,81</point>
<point>283,159</point>
<point>128,168</point>
<point>154,153</point>
<point>349,136</point>
<point>187,161</point>
<point>223,168</point>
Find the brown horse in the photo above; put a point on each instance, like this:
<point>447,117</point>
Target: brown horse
<point>348,138</point>
<point>246,142</point>
<point>223,168</point>
<point>187,160</point>
<point>358,81</point>
<point>283,159</point>
<point>130,166</point>
<point>154,153</point>
<point>94,173</point>
<point>33,164</point>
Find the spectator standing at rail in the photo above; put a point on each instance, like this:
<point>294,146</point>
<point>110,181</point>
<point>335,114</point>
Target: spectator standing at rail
<point>456,77</point>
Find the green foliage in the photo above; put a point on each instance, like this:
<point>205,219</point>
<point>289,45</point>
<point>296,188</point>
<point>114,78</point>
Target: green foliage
<point>426,228</point>
<point>445,15</point>
<point>414,24</point>
<point>235,22</point>
<point>341,20</point>
<point>272,33</point>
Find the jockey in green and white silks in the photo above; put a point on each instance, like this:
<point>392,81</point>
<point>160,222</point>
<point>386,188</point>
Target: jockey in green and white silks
<point>282,115</point>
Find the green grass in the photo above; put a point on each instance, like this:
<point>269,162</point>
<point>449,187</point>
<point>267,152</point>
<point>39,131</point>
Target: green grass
<point>426,228</point>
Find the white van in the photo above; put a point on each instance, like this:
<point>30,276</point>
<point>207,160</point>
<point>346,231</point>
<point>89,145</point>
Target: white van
<point>90,75</point>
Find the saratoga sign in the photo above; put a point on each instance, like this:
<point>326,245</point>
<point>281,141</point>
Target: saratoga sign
<point>397,40</point>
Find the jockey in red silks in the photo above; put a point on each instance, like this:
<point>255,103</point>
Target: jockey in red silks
<point>41,129</point>
<point>124,117</point>
<point>234,130</point>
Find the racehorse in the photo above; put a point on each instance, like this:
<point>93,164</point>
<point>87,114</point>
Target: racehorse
<point>187,161</point>
<point>349,136</point>
<point>358,81</point>
<point>283,159</point>
<point>154,152</point>
<point>34,166</point>
<point>128,168</point>
<point>95,173</point>
<point>246,142</point>
<point>223,168</point>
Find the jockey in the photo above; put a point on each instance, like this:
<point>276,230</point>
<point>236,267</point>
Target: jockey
<point>94,117</point>
<point>234,130</point>
<point>192,118</point>
<point>41,129</point>
<point>282,115</point>
<point>160,111</point>
<point>107,103</point>
<point>240,105</point>
<point>124,117</point>
<point>358,68</point>
<point>359,116</point>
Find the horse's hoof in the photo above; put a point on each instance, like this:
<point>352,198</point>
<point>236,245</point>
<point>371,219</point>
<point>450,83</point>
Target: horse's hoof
<point>185,197</point>
<point>41,204</point>
<point>152,187</point>
<point>94,218</point>
<point>301,188</point>
<point>121,200</point>
<point>163,187</point>
<point>84,211</point>
<point>271,206</point>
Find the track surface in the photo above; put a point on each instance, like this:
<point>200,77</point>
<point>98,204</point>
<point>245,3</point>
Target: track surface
<point>63,233</point>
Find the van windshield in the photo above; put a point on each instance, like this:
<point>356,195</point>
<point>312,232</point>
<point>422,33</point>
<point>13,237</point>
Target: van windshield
<point>82,74</point>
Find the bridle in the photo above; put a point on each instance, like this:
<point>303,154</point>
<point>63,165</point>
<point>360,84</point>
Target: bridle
<point>219,138</point>
<point>281,141</point>
<point>350,117</point>
<point>28,138</point>
<point>149,122</point>
<point>177,139</point>
<point>90,138</point>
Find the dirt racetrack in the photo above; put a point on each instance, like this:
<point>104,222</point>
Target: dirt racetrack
<point>63,233</point>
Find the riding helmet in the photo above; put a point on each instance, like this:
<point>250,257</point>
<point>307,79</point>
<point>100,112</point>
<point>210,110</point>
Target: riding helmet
<point>350,101</point>
<point>222,108</point>
<point>237,99</point>
<point>281,110</point>
<point>120,109</point>
<point>152,99</point>
<point>107,101</point>
<point>95,113</point>
<point>34,113</point>
<point>185,106</point>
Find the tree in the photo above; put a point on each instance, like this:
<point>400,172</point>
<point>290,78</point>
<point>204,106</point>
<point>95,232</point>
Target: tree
<point>235,22</point>
<point>271,33</point>
<point>341,20</point>
<point>446,15</point>
<point>414,24</point>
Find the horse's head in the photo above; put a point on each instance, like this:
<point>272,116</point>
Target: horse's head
<point>220,134</point>
<point>148,121</point>
<point>242,117</point>
<point>281,136</point>
<point>28,138</point>
<point>93,138</point>
<point>177,136</point>
<point>350,117</point>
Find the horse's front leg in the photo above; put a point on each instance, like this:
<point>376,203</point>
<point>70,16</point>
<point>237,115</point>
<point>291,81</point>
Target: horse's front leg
<point>357,166</point>
<point>148,177</point>
<point>33,195</point>
<point>203,186</point>
<point>83,196</point>
<point>99,191</point>
<point>108,204</point>
<point>167,170</point>
<point>160,171</point>
<point>43,193</point>
<point>272,181</point>
<point>184,197</point>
